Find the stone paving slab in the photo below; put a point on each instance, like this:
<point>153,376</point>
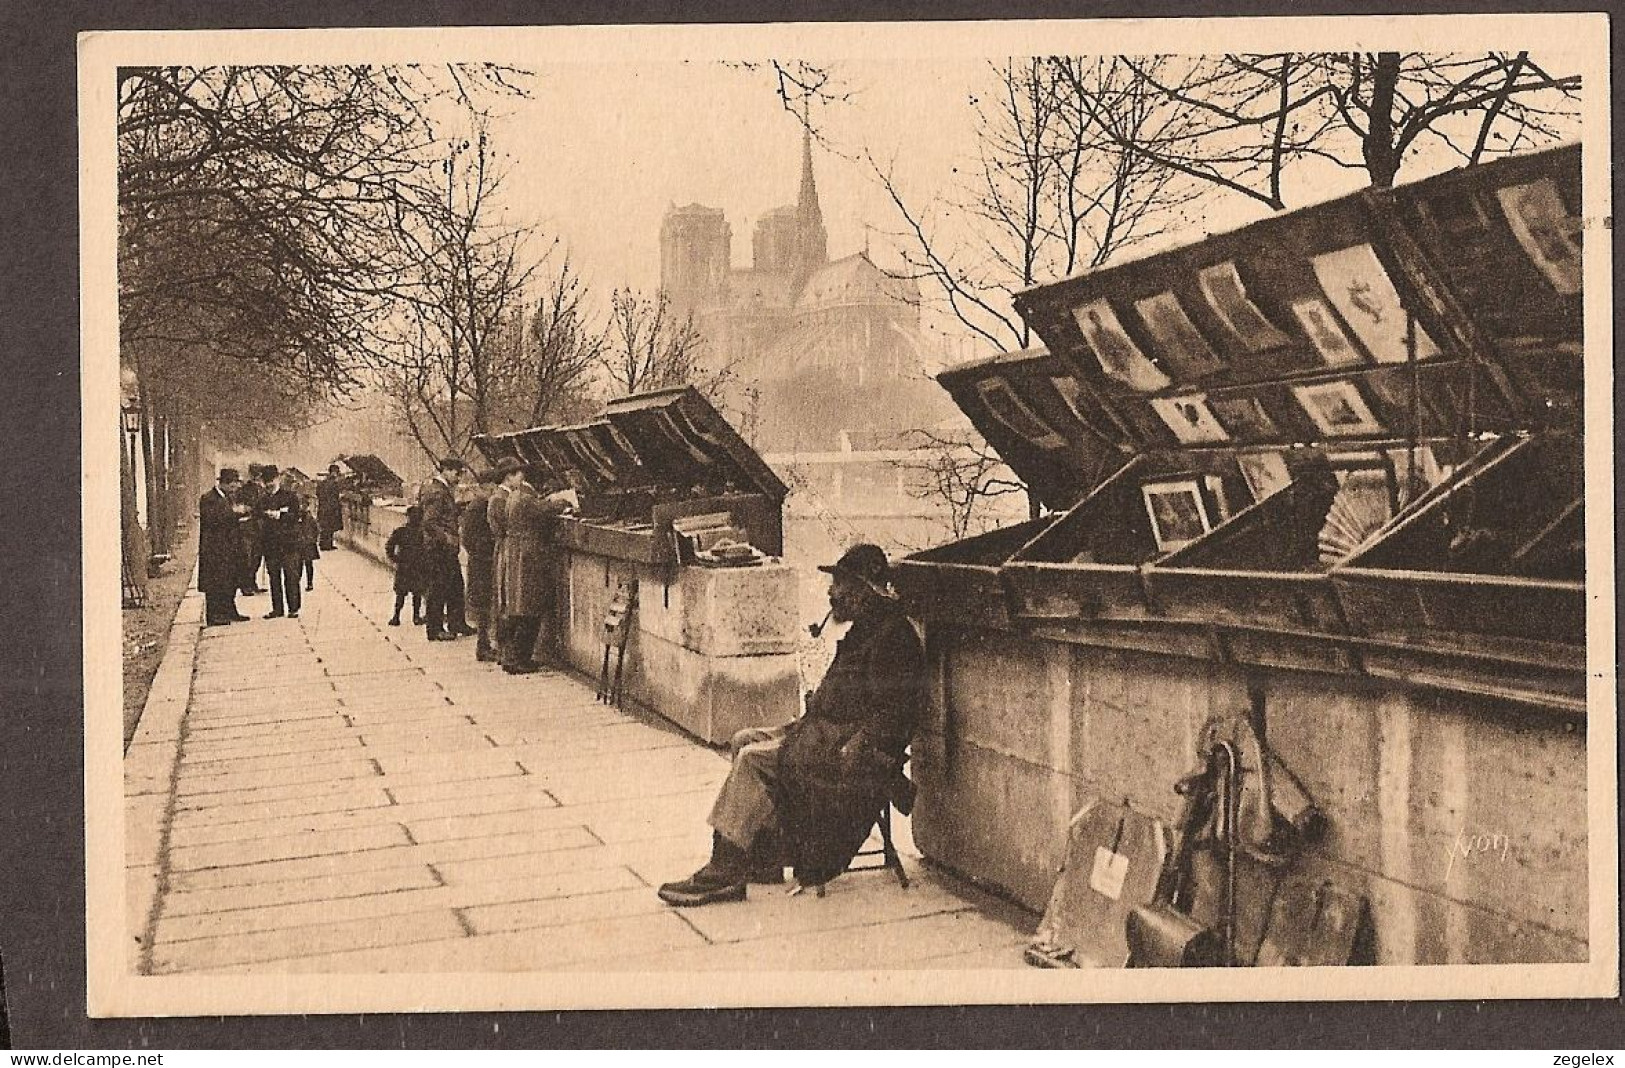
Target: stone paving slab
<point>333,794</point>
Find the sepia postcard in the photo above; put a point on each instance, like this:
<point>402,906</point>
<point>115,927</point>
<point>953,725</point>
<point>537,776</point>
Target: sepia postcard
<point>848,514</point>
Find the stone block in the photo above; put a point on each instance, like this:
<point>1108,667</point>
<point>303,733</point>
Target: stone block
<point>714,697</point>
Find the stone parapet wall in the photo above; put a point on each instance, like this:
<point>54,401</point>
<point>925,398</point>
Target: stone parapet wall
<point>1024,730</point>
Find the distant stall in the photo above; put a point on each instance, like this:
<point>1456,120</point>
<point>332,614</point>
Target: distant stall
<point>674,504</point>
<point>1324,472</point>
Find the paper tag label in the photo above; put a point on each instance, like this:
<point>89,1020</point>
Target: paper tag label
<point>1107,876</point>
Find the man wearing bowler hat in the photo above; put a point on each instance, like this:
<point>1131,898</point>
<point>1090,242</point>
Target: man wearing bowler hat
<point>220,549</point>
<point>807,794</point>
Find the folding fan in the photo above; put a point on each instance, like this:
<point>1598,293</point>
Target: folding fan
<point>1360,506</point>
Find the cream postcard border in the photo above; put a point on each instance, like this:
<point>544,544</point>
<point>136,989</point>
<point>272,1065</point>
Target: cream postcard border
<point>112,991</point>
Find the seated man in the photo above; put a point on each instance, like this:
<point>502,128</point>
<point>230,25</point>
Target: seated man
<point>807,794</point>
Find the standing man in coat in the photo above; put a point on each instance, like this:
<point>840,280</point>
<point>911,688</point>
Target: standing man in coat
<point>249,494</point>
<point>475,527</point>
<point>527,578</point>
<point>220,550</point>
<point>279,526</point>
<point>329,506</point>
<point>496,518</point>
<point>808,793</point>
<point>442,543</point>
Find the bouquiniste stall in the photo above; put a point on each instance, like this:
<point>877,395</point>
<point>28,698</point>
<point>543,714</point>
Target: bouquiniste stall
<point>670,497</point>
<point>1324,472</point>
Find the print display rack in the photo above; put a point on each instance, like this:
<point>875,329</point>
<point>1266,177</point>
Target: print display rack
<point>646,463</point>
<point>1341,439</point>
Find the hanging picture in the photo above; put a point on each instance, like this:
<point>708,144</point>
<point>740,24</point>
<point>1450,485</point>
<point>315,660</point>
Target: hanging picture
<point>1548,233</point>
<point>1365,296</point>
<point>1245,418</point>
<point>621,443</point>
<point>1265,472</point>
<point>1326,333</point>
<point>1071,394</point>
<point>1115,351</point>
<point>1190,418</point>
<point>1010,410</point>
<point>1178,515</point>
<point>1337,409</point>
<point>669,428</point>
<point>1179,344</point>
<point>1221,285</point>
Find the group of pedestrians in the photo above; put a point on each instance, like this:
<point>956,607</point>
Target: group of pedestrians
<point>269,522</point>
<point>503,520</point>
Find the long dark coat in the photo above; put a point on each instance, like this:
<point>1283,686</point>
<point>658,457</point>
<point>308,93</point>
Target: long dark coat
<point>839,761</point>
<point>528,560</point>
<point>496,520</point>
<point>439,506</point>
<point>477,542</point>
<point>404,549</point>
<point>279,533</point>
<point>329,507</point>
<point>219,544</point>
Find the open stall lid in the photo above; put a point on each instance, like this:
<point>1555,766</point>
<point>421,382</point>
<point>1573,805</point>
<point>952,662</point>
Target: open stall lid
<point>1043,420</point>
<point>1442,309</point>
<point>677,438</point>
<point>663,438</point>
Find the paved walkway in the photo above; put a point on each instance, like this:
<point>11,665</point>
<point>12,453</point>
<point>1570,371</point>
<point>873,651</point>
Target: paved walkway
<point>334,794</point>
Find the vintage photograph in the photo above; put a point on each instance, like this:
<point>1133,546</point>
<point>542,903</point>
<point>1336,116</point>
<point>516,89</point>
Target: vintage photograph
<point>1115,351</point>
<point>566,558</point>
<point>1178,513</point>
<point>1338,409</point>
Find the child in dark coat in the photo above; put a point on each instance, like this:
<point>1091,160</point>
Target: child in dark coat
<point>405,551</point>
<point>309,539</point>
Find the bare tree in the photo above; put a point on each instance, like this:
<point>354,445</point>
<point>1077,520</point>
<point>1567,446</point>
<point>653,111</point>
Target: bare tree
<point>450,369</point>
<point>1241,122</point>
<point>561,348</point>
<point>1047,198</point>
<point>649,346</point>
<point>958,470</point>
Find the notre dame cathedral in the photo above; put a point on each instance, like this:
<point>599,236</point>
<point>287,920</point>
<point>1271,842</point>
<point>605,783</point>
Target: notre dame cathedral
<point>828,355</point>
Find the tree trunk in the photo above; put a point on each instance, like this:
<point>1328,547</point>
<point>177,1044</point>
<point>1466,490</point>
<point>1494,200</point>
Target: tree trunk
<point>1381,154</point>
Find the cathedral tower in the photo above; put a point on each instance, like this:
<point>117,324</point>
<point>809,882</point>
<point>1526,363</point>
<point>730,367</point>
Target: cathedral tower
<point>696,246</point>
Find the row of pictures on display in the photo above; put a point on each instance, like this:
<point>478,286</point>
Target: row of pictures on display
<point>1337,410</point>
<point>1359,297</point>
<point>1372,487</point>
<point>603,452</point>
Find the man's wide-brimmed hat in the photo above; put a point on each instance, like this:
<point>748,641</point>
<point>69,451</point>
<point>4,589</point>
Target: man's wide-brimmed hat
<point>230,474</point>
<point>507,466</point>
<point>268,471</point>
<point>867,562</point>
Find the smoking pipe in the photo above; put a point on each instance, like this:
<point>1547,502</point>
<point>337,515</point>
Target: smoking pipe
<point>817,629</point>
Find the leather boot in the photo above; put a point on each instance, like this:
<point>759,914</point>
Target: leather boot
<point>722,879</point>
<point>767,860</point>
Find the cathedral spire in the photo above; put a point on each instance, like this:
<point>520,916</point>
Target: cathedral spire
<point>809,216</point>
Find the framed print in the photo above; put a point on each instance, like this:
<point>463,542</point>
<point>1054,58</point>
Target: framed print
<point>1115,351</point>
<point>1245,418</point>
<point>1178,513</point>
<point>1320,323</point>
<point>1071,393</point>
<point>1264,472</point>
<point>1222,286</point>
<point>1179,343</point>
<point>1359,287</point>
<point>1548,233</point>
<point>1191,420</point>
<point>1337,409</point>
<point>1010,410</point>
